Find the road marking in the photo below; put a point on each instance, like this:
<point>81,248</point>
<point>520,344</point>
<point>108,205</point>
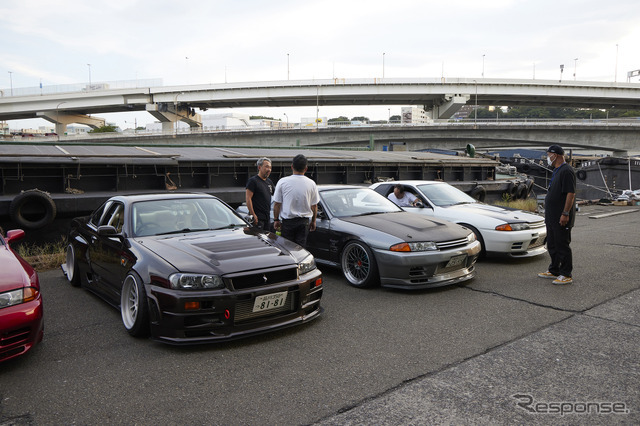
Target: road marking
<point>599,216</point>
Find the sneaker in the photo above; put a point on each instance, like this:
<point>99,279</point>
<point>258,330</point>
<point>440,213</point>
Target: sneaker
<point>562,280</point>
<point>547,275</point>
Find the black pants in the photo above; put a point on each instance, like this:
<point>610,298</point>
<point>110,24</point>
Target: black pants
<point>264,224</point>
<point>296,230</point>
<point>558,241</point>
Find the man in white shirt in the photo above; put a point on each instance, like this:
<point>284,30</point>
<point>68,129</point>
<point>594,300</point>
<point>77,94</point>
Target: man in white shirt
<point>296,203</point>
<point>402,198</point>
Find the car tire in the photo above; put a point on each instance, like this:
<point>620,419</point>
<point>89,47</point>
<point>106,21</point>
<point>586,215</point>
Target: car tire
<point>359,265</point>
<point>71,265</point>
<point>134,307</point>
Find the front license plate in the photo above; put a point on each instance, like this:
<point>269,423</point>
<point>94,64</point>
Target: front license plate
<point>269,301</point>
<point>456,260</point>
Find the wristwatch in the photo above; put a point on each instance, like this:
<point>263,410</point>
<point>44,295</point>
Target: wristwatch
<point>565,213</point>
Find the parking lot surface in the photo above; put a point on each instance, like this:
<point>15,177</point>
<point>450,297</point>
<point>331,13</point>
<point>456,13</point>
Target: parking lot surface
<point>505,348</point>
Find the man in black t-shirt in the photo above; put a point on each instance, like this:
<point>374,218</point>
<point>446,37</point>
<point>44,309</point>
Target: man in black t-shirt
<point>559,216</point>
<point>259,190</point>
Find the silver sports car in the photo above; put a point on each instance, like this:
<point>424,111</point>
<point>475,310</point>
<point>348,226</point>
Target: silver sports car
<point>376,242</point>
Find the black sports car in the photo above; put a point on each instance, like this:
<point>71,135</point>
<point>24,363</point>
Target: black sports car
<point>187,269</point>
<point>376,242</point>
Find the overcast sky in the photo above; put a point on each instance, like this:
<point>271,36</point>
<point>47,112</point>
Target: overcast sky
<point>201,42</point>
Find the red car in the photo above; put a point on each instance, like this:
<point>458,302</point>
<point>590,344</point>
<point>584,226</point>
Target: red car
<point>21,322</point>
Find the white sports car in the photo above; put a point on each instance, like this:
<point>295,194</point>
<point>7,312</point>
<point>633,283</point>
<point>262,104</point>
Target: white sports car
<point>501,231</point>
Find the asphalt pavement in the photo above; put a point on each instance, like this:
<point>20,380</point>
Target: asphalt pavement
<point>505,348</point>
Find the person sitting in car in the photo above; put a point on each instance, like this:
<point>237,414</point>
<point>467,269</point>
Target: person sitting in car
<point>403,198</point>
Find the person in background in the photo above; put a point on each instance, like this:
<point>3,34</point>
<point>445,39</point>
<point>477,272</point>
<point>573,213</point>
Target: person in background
<point>296,203</point>
<point>559,216</point>
<point>402,198</point>
<point>259,190</point>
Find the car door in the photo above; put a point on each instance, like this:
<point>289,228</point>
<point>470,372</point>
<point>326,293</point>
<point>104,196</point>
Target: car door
<point>109,255</point>
<point>318,241</point>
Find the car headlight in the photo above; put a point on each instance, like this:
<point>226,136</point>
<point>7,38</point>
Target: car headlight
<point>195,281</point>
<point>471,237</point>
<point>307,265</point>
<point>513,227</point>
<point>420,246</point>
<point>16,297</point>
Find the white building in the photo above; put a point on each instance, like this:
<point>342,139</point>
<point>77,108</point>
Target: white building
<point>414,115</point>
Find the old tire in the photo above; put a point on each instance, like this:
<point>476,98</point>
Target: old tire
<point>581,174</point>
<point>359,266</point>
<point>32,209</point>
<point>479,193</point>
<point>134,308</point>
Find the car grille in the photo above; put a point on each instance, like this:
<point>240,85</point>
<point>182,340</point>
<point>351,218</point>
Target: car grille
<point>8,342</point>
<point>446,245</point>
<point>536,225</point>
<point>244,309</point>
<point>536,242</point>
<point>260,278</point>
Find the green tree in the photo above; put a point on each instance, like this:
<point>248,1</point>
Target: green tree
<point>338,119</point>
<point>104,129</point>
<point>363,119</point>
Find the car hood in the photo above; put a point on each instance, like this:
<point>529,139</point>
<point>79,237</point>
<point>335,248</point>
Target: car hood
<point>224,251</point>
<point>494,212</point>
<point>411,227</point>
<point>13,274</point>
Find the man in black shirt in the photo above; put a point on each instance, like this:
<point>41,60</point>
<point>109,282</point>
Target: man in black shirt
<point>259,190</point>
<point>559,216</point>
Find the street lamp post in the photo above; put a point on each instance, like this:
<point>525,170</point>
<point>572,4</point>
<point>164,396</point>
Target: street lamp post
<point>287,66</point>
<point>285,114</point>
<point>11,81</point>
<point>483,66</point>
<point>89,65</point>
<point>561,69</point>
<point>615,75</point>
<point>383,64</point>
<point>475,116</point>
<point>575,68</point>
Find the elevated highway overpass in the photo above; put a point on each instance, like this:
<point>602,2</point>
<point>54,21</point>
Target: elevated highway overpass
<point>440,97</point>
<point>618,136</point>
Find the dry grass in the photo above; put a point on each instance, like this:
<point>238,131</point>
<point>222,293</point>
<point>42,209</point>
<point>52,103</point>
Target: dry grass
<point>530,204</point>
<point>42,257</point>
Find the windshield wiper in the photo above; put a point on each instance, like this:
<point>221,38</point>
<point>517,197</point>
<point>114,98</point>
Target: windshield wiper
<point>230,226</point>
<point>367,214</point>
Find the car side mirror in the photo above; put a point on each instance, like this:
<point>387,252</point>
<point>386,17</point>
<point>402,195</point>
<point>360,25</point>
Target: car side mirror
<point>420,204</point>
<point>249,219</point>
<point>14,235</point>
<point>107,231</point>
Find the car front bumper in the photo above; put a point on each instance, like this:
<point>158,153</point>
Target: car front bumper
<point>22,328</point>
<point>427,269</point>
<point>227,315</point>
<point>528,243</point>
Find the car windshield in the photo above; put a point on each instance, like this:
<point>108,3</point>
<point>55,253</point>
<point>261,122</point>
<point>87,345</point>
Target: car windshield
<point>162,217</point>
<point>356,202</point>
<point>443,194</point>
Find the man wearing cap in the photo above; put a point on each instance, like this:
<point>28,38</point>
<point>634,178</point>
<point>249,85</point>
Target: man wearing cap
<point>258,192</point>
<point>559,216</point>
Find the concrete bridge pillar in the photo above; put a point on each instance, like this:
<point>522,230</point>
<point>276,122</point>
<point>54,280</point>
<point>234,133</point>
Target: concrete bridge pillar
<point>169,114</point>
<point>446,106</point>
<point>62,119</point>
